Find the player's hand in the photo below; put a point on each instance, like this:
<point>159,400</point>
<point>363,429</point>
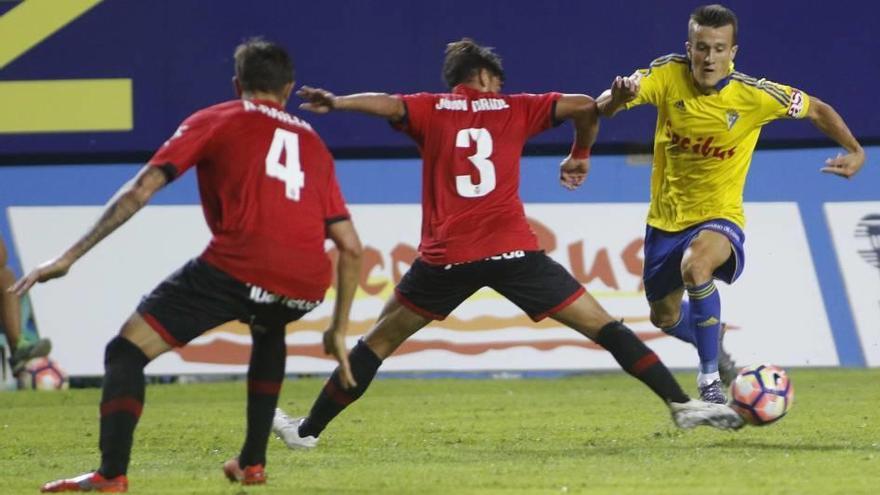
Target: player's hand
<point>573,172</point>
<point>317,100</point>
<point>47,271</point>
<point>334,345</point>
<point>625,89</point>
<point>845,165</point>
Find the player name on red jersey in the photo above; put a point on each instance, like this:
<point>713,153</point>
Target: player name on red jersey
<point>274,113</point>
<point>479,105</point>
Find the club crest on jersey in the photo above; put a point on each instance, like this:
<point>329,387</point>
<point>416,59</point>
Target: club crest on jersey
<point>732,117</point>
<point>680,105</point>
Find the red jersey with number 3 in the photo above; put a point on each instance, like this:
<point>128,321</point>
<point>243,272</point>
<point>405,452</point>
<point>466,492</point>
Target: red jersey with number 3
<point>268,190</point>
<point>471,144</point>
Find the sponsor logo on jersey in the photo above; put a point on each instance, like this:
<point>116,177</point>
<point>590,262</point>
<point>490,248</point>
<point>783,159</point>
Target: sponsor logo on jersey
<point>700,145</point>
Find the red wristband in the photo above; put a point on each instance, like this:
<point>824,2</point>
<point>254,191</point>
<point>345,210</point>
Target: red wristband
<point>579,153</point>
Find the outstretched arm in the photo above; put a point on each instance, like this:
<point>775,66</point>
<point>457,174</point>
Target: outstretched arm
<point>378,104</point>
<point>582,111</point>
<point>348,269</point>
<point>827,120</point>
<point>622,91</point>
<point>130,198</point>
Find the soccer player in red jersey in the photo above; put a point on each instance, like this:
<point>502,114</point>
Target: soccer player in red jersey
<point>475,233</point>
<point>270,197</point>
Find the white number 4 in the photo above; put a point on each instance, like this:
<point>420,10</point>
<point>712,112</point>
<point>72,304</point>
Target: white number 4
<point>290,172</point>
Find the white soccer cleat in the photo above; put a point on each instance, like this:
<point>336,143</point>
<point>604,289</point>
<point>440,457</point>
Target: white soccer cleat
<point>695,413</point>
<point>287,429</point>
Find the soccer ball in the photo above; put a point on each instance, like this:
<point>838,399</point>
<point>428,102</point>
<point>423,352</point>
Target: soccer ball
<point>42,374</point>
<point>762,394</point>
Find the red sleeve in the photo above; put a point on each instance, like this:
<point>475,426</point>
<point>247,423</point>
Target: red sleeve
<point>188,144</point>
<point>334,204</point>
<point>418,114</point>
<point>537,111</point>
<point>335,209</point>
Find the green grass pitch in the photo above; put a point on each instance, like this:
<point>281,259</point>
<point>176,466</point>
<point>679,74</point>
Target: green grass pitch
<point>593,434</point>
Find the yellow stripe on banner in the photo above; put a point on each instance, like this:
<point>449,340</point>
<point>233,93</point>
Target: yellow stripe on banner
<point>32,21</point>
<point>66,106</point>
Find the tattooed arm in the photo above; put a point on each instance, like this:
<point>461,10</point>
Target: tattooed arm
<point>130,198</point>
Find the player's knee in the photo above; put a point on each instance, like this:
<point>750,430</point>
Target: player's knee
<point>120,349</point>
<point>696,271</point>
<point>663,320</point>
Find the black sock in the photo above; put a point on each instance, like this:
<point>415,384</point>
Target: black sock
<point>121,404</point>
<point>640,361</point>
<point>333,398</point>
<point>265,375</point>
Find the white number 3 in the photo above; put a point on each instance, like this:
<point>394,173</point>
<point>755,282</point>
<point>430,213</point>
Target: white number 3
<point>290,172</point>
<point>463,183</point>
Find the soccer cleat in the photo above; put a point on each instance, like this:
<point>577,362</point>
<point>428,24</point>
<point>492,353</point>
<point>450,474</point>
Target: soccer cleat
<point>89,482</point>
<point>695,413</point>
<point>287,429</point>
<point>250,475</point>
<point>26,352</point>
<point>713,393</point>
<point>726,365</point>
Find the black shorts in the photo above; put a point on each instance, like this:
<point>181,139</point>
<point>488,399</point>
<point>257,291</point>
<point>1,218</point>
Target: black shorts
<point>529,279</point>
<point>199,297</point>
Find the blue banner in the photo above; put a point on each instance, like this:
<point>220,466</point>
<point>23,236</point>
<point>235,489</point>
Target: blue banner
<point>117,76</point>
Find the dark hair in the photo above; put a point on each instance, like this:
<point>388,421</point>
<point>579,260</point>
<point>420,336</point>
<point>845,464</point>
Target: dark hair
<point>715,16</point>
<point>465,58</point>
<point>261,65</point>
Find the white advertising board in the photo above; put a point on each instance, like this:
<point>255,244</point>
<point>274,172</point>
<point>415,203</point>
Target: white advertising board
<point>775,310</point>
<point>855,230</point>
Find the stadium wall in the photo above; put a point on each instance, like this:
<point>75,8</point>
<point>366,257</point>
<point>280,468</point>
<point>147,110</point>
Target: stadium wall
<point>810,294</point>
<point>116,77</point>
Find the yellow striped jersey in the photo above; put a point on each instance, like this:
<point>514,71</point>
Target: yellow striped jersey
<point>703,144</point>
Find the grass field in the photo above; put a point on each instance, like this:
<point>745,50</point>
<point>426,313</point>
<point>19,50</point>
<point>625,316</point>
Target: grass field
<point>598,433</point>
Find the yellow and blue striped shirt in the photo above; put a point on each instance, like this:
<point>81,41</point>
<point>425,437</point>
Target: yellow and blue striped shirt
<point>703,144</point>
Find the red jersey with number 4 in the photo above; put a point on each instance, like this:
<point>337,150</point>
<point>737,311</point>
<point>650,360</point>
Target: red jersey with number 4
<point>268,191</point>
<point>471,144</point>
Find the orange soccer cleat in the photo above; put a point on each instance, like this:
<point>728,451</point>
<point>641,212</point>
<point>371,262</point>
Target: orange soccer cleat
<point>89,482</point>
<point>250,475</point>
